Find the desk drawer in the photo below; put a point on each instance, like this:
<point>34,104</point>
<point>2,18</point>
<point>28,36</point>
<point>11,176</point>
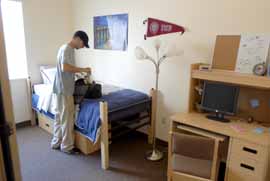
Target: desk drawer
<point>249,150</point>
<point>45,123</point>
<point>235,176</point>
<point>240,167</point>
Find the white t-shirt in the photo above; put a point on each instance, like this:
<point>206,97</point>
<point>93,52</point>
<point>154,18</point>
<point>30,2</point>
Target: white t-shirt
<point>64,81</point>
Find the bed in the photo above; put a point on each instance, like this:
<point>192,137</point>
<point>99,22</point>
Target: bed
<point>99,122</point>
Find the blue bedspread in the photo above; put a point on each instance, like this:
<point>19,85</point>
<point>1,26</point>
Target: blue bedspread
<point>88,121</point>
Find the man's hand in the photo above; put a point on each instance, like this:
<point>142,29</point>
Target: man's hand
<point>87,70</point>
<point>74,69</point>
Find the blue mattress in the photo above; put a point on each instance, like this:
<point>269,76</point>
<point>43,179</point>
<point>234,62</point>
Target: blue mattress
<point>121,104</point>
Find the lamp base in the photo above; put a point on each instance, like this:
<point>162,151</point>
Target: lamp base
<point>154,155</point>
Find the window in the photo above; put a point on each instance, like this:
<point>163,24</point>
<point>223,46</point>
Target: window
<point>14,39</point>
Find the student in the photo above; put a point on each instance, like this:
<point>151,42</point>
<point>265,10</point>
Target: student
<point>63,87</point>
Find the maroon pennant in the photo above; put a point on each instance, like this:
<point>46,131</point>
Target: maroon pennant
<point>157,27</point>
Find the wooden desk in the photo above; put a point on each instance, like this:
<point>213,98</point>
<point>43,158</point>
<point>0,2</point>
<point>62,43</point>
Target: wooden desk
<point>248,155</point>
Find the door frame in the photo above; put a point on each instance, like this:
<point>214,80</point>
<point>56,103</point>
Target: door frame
<point>8,112</point>
<point>2,166</point>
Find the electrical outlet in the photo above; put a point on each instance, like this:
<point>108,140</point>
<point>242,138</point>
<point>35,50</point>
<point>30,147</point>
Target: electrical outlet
<point>163,120</point>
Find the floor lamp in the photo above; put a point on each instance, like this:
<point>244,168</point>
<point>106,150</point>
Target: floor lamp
<point>155,154</point>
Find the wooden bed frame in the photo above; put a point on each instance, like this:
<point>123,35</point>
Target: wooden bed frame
<point>83,143</point>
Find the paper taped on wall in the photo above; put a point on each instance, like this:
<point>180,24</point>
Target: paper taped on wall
<point>253,49</point>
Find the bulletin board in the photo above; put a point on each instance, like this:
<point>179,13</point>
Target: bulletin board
<point>226,51</point>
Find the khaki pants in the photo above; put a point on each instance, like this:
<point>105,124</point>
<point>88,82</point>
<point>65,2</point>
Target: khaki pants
<point>63,133</point>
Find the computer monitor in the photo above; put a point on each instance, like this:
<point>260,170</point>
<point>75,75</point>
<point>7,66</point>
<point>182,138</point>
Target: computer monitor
<point>221,99</point>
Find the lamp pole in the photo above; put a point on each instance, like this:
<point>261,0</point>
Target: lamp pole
<point>155,154</point>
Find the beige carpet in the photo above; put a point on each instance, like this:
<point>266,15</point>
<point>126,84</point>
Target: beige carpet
<point>127,163</point>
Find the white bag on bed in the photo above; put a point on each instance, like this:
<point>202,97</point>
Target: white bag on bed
<point>44,91</point>
<point>48,74</point>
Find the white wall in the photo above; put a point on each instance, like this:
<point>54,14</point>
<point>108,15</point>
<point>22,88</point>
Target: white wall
<point>48,25</point>
<point>204,19</point>
<point>20,100</point>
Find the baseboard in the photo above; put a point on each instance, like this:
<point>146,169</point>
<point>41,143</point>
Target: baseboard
<point>23,124</point>
<point>158,141</point>
<point>161,142</point>
<point>144,131</point>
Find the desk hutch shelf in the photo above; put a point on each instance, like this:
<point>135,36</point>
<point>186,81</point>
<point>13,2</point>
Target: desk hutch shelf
<point>251,87</point>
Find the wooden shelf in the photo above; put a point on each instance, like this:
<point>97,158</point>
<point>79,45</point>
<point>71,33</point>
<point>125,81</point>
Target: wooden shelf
<point>233,78</point>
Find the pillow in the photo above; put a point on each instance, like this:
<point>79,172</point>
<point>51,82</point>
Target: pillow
<point>48,74</point>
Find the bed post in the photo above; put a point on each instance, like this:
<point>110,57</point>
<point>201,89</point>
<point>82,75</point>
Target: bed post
<point>104,135</point>
<point>153,94</point>
<point>30,91</point>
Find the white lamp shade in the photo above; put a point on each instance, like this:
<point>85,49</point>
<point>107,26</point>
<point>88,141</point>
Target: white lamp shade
<point>140,53</point>
<point>157,44</point>
<point>172,51</point>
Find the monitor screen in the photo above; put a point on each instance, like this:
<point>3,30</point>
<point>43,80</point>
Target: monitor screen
<point>220,97</point>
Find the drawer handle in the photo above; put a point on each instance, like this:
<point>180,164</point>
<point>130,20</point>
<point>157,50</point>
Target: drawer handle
<point>250,150</point>
<point>47,125</point>
<point>247,166</point>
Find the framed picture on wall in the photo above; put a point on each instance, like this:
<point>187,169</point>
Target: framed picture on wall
<point>111,32</point>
